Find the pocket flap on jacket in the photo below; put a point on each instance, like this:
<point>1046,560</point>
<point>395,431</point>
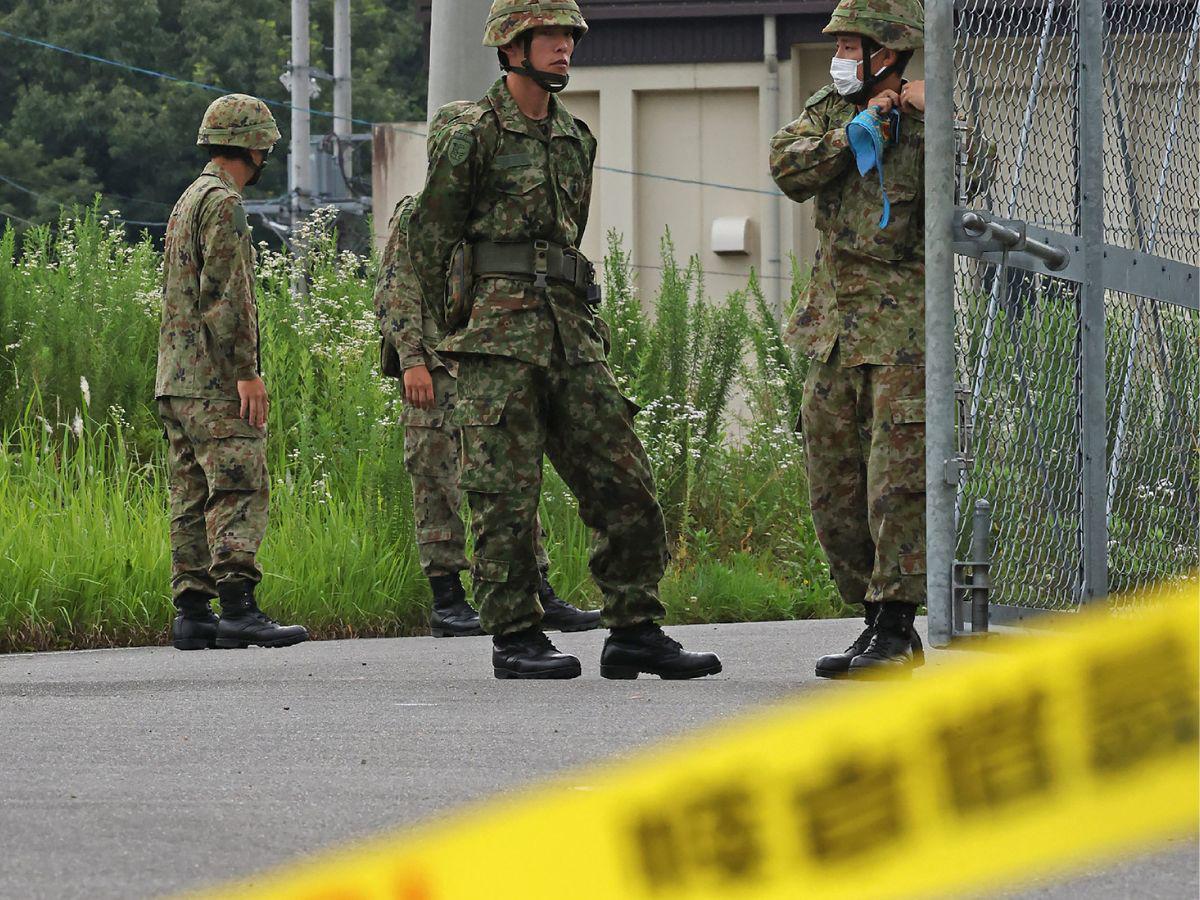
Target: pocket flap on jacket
<point>906,411</point>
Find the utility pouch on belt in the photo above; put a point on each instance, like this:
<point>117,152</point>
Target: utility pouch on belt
<point>460,286</point>
<point>545,262</point>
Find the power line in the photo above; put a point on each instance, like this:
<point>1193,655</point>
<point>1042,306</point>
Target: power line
<point>5,212</point>
<point>155,74</point>
<point>759,275</point>
<point>281,105</point>
<point>711,184</point>
<point>32,193</point>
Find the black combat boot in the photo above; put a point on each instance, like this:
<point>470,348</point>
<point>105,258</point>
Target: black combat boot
<point>195,625</point>
<point>836,665</point>
<point>451,615</point>
<point>895,647</point>
<point>243,623</point>
<point>529,654</point>
<point>646,648</point>
<point>559,615</point>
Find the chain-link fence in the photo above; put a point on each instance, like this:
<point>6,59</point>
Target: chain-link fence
<point>1073,275</point>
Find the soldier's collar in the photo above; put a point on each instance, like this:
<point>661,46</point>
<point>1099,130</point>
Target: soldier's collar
<point>213,169</point>
<point>562,124</point>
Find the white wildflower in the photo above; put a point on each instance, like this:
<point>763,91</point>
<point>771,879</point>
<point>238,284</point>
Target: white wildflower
<point>86,390</point>
<point>77,425</point>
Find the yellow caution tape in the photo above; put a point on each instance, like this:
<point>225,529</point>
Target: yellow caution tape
<point>1064,747</point>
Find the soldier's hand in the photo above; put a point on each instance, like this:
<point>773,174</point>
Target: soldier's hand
<point>912,97</point>
<point>883,103</point>
<point>253,394</point>
<point>418,387</point>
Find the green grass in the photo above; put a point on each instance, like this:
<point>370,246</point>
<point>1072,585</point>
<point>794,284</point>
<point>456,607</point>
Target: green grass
<point>84,557</point>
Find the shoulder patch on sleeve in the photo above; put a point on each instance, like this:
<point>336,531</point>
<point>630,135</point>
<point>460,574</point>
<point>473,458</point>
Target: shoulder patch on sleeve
<point>819,96</point>
<point>459,149</point>
<point>239,220</point>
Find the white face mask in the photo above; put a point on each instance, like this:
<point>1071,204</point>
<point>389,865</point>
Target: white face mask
<point>845,75</point>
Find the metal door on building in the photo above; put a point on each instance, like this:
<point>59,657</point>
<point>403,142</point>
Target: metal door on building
<point>1063,350</point>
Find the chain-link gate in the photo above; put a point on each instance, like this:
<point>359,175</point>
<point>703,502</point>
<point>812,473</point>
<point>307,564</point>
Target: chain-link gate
<point>1062,303</point>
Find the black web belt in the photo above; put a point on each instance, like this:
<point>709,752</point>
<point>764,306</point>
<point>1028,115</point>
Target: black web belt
<point>543,261</point>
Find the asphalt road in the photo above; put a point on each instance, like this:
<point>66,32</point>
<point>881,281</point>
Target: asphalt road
<point>143,772</point>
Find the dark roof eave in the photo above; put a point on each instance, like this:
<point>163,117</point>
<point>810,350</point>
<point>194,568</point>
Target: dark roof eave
<point>668,9</point>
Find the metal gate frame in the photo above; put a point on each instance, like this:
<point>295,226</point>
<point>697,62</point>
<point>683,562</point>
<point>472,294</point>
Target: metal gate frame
<point>1082,258</point>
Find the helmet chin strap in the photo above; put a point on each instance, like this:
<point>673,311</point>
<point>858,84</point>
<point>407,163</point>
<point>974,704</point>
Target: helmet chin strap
<point>870,78</point>
<point>547,81</point>
<point>551,82</point>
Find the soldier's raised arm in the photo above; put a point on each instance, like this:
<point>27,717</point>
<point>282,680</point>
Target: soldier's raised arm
<point>810,151</point>
<point>228,265</point>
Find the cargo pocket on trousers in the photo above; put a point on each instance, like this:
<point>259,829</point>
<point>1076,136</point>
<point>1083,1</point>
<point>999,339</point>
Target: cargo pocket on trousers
<point>906,438</point>
<point>234,457</point>
<point>494,570</point>
<point>487,465</point>
<point>424,445</point>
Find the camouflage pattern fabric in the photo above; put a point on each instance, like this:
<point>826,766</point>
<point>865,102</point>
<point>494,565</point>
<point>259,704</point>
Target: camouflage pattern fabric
<point>208,337</point>
<point>867,291</point>
<point>432,450</point>
<point>862,323</point>
<point>406,320</point>
<point>895,24</point>
<point>432,445</point>
<point>509,19</point>
<point>512,413</point>
<point>532,381</point>
<point>217,468</point>
<point>238,120</point>
<point>495,175</point>
<point>864,435</point>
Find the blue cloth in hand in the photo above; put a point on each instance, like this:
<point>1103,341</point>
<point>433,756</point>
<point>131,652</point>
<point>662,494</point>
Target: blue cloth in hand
<point>865,133</point>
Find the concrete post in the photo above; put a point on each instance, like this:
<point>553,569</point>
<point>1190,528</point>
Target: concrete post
<point>301,167</point>
<point>460,67</point>
<point>342,127</point>
<point>769,123</point>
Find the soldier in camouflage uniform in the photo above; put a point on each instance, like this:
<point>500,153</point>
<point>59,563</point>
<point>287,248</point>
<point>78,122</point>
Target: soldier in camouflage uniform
<point>862,324</point>
<point>503,209</point>
<point>210,393</point>
<point>432,444</point>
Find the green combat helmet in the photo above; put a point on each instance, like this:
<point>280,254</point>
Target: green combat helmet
<point>510,19</point>
<point>238,120</point>
<point>894,24</point>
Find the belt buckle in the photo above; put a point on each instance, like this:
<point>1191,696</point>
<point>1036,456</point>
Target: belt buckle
<point>541,263</point>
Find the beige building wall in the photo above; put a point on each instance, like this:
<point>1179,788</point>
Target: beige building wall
<point>660,128</point>
<point>670,125</point>
<point>398,169</point>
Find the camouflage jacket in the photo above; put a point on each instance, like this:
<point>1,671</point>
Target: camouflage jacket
<point>867,291</point>
<point>495,175</point>
<point>208,340</point>
<point>412,325</point>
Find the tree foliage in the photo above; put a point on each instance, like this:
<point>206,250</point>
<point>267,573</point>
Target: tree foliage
<point>74,127</point>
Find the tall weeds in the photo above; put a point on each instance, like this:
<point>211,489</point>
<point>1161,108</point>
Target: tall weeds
<point>84,558</point>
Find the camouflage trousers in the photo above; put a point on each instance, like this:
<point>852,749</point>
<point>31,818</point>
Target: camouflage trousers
<point>432,449</point>
<point>864,434</point>
<point>512,414</point>
<point>218,485</point>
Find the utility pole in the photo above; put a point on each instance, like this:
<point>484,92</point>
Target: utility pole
<point>460,68</point>
<point>301,165</point>
<point>341,83</point>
